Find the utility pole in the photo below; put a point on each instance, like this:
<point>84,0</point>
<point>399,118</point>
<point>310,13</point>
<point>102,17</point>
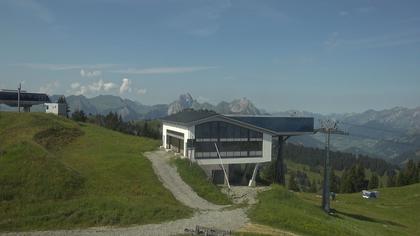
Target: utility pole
<point>19,88</point>
<point>328,127</point>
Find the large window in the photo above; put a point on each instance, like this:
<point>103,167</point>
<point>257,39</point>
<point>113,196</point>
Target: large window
<point>207,131</point>
<point>232,141</point>
<point>210,131</point>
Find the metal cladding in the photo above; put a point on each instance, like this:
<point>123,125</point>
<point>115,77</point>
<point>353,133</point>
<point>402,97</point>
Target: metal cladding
<point>10,97</point>
<point>272,124</point>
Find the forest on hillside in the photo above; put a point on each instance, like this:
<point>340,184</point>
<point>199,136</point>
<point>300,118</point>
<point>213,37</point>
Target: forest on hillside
<point>350,173</point>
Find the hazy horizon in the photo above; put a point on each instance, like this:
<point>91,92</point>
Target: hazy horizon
<point>324,57</point>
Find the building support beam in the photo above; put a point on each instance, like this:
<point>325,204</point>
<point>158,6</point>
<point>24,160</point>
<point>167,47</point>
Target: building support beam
<point>279,175</point>
<point>252,182</point>
<point>280,169</point>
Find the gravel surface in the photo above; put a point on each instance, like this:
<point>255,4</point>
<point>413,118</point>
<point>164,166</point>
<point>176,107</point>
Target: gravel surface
<point>244,194</point>
<point>224,220</point>
<point>171,180</point>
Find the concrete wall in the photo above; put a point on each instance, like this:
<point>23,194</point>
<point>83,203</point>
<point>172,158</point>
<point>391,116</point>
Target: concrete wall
<point>187,131</point>
<point>56,108</point>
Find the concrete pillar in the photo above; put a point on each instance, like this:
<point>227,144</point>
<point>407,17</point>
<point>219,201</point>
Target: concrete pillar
<point>279,171</point>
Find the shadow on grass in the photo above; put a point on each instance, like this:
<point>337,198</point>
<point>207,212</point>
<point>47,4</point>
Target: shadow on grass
<point>370,219</point>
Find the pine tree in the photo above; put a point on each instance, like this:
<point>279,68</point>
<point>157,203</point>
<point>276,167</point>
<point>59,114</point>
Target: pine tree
<point>145,129</point>
<point>418,171</point>
<point>353,179</point>
<point>313,188</point>
<point>79,116</point>
<point>373,182</point>
<point>411,173</point>
<point>346,185</point>
<point>391,181</point>
<point>292,182</point>
<point>401,179</point>
<point>360,182</point>
<point>334,182</point>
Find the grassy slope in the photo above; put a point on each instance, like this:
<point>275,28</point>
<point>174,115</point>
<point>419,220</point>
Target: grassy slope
<point>98,177</point>
<point>194,176</point>
<point>394,213</point>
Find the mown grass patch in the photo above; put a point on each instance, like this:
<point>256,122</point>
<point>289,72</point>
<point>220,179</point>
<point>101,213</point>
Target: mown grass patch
<point>194,176</point>
<point>57,136</point>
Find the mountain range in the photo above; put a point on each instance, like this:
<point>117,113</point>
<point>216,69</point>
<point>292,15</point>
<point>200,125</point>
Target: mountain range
<point>393,134</point>
<point>132,110</point>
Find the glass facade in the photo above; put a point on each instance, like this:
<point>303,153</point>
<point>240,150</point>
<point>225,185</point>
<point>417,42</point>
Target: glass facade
<point>232,140</point>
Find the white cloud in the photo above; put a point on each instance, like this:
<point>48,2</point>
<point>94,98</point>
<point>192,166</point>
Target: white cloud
<point>164,70</point>
<point>108,86</point>
<point>59,67</point>
<point>94,87</point>
<point>94,73</point>
<point>75,85</point>
<point>125,86</point>
<point>83,90</point>
<point>50,87</point>
<point>141,91</point>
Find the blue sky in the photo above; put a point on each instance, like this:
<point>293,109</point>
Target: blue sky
<point>320,56</point>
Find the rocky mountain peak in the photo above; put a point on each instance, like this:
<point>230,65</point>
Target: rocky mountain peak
<point>243,106</point>
<point>184,101</point>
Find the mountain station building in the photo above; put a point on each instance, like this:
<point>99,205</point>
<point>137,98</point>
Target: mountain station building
<point>239,139</point>
<point>23,99</point>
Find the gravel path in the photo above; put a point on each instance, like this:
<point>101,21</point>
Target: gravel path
<point>170,178</point>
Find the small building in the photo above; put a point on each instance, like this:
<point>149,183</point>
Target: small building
<point>59,109</point>
<point>200,135</point>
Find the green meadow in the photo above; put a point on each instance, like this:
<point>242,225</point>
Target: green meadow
<point>59,174</point>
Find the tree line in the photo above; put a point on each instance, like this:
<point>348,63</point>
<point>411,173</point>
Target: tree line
<point>314,158</point>
<point>352,170</point>
<point>114,121</point>
<point>354,179</point>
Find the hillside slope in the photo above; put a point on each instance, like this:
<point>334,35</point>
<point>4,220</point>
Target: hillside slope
<point>55,173</point>
<point>395,212</point>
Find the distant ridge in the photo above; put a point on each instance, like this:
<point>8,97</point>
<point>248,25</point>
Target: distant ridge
<point>391,133</point>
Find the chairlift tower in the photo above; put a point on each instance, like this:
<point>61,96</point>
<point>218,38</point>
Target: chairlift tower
<point>328,127</point>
